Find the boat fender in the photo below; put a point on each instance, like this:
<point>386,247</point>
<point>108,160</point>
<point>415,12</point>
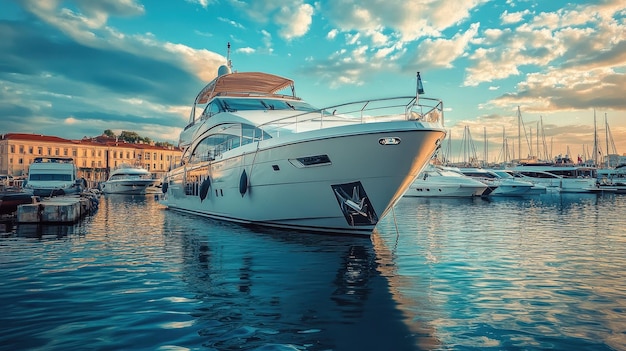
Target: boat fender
<point>164,187</point>
<point>204,189</point>
<point>243,183</point>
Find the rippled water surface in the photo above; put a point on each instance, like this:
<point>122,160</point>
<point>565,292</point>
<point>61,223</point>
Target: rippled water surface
<point>506,274</point>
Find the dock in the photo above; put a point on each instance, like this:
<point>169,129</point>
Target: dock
<point>57,210</point>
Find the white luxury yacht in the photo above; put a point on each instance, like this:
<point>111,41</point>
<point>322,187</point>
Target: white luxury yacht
<point>565,178</point>
<point>439,181</point>
<point>537,188</point>
<point>127,179</point>
<point>255,153</point>
<point>499,185</point>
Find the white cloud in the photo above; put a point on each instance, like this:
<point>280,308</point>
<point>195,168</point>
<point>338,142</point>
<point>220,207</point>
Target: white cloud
<point>513,17</point>
<point>570,59</point>
<point>295,22</point>
<point>294,17</point>
<point>407,20</point>
<point>332,34</point>
<point>246,50</point>
<point>89,28</point>
<point>203,3</point>
<point>232,23</point>
<point>442,52</point>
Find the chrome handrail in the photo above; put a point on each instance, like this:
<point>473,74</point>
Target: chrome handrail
<point>428,110</point>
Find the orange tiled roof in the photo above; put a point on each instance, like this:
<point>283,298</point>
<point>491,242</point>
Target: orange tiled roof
<point>100,140</point>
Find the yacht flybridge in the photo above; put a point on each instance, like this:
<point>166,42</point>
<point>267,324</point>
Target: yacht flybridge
<point>254,155</point>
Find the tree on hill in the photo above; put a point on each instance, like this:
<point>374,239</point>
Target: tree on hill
<point>133,138</point>
<point>163,144</point>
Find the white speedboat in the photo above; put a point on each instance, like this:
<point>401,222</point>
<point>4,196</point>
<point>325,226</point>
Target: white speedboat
<point>537,188</point>
<point>255,155</point>
<point>129,180</point>
<point>53,176</point>
<point>499,185</point>
<point>438,181</point>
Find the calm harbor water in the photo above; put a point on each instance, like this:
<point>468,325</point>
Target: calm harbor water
<point>439,274</point>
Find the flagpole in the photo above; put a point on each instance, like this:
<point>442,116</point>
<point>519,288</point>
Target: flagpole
<point>419,89</point>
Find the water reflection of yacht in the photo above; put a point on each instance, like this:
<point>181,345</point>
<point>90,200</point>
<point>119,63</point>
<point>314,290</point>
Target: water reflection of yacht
<point>256,153</point>
<point>285,288</point>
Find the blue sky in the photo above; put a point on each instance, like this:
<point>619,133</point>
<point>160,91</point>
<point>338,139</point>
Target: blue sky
<point>75,68</point>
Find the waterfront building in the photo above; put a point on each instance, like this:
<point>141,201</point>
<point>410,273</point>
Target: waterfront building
<point>94,157</point>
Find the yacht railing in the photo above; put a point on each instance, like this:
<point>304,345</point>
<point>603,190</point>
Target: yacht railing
<point>408,108</point>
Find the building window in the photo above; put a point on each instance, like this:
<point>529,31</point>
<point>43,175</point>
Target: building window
<point>49,151</point>
<point>85,152</point>
<point>99,153</point>
<point>12,149</point>
<point>20,161</point>
<point>39,150</point>
<point>65,152</point>
<point>30,150</point>
<point>74,152</point>
<point>84,163</point>
<point>56,151</point>
<point>21,149</point>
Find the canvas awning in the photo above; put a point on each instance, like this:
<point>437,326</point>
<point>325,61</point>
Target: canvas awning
<point>243,83</point>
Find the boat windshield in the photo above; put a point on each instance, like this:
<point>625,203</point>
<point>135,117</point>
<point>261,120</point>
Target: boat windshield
<point>52,176</point>
<point>243,104</point>
<point>226,137</point>
<point>503,174</point>
<point>479,174</point>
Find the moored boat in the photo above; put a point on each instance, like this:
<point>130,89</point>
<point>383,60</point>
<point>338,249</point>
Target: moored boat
<point>53,176</point>
<point>127,179</point>
<point>499,184</point>
<point>438,181</point>
<point>565,178</point>
<point>11,198</point>
<point>255,155</point>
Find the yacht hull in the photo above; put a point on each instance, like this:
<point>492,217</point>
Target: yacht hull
<point>444,190</point>
<point>129,187</point>
<point>343,181</point>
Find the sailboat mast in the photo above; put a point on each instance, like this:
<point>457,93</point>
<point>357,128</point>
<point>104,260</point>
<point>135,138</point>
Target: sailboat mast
<point>485,137</point>
<point>595,139</point>
<point>519,133</point>
<point>606,134</point>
